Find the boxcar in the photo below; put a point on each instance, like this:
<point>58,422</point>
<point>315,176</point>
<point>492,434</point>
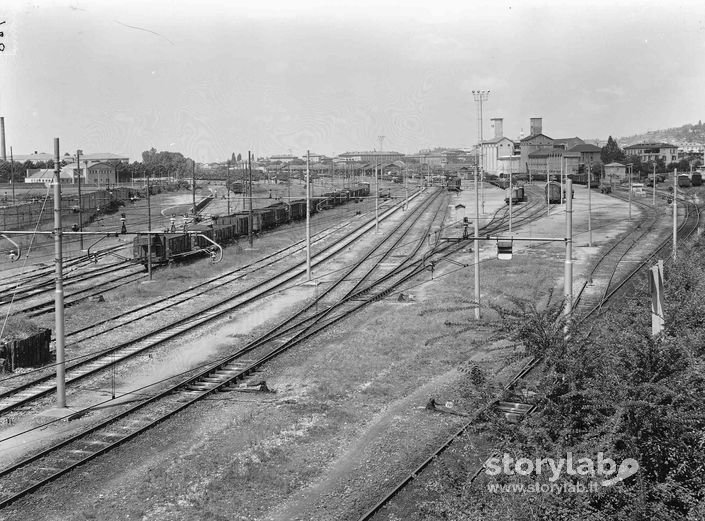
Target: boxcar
<point>696,179</point>
<point>224,233</point>
<point>165,246</point>
<point>683,181</point>
<point>263,219</point>
<point>553,193</point>
<point>517,195</point>
<point>281,213</point>
<point>453,184</point>
<point>298,209</point>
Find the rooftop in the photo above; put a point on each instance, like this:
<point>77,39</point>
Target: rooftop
<point>651,145</point>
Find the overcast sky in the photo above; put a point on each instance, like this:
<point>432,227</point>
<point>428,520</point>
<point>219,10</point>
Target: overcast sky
<point>210,78</point>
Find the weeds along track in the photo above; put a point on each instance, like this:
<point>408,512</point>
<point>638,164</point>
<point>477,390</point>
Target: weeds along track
<point>26,476</point>
<point>686,229</point>
<point>86,366</point>
<point>623,273</point>
<point>616,262</point>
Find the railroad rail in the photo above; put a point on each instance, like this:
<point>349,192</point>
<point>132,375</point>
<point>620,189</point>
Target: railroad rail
<point>26,476</point>
<point>94,363</point>
<point>686,229</point>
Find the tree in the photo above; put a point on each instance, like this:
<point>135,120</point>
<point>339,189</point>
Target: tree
<point>239,157</point>
<point>637,166</point>
<point>683,165</point>
<point>611,152</point>
<point>149,156</point>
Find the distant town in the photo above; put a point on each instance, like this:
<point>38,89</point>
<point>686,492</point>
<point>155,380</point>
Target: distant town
<point>498,155</point>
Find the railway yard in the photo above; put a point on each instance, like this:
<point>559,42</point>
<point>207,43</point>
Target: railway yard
<point>242,390</point>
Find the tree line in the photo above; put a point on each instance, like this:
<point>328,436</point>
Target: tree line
<point>154,164</point>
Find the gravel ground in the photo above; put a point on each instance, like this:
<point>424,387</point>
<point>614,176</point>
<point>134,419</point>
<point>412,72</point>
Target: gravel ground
<point>347,418</point>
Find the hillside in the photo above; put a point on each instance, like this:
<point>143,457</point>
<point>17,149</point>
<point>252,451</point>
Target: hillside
<point>685,134</point>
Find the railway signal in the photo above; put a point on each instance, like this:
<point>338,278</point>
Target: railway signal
<point>504,249</point>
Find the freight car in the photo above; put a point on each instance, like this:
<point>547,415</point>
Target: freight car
<point>582,179</point>
<point>167,247</point>
<point>501,182</point>
<point>517,194</point>
<point>453,184</point>
<point>696,179</point>
<point>683,181</point>
<point>553,193</point>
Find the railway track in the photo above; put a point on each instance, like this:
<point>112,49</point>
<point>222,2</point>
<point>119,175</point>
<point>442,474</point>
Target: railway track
<point>685,231</point>
<point>26,476</point>
<point>90,365</point>
<point>39,277</point>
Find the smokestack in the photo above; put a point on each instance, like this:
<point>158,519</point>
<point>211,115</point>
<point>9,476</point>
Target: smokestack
<point>498,130</point>
<point>2,139</point>
<point>535,126</point>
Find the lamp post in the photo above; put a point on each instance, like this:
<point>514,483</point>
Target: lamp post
<point>479,96</point>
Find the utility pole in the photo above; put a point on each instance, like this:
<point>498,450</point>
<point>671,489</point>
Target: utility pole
<point>12,175</point>
<point>80,199</point>
<point>480,96</point>
<point>308,221</point>
<point>149,228</point>
<point>568,277</point>
<point>631,167</point>
<point>563,194</point>
<point>511,196</point>
<point>193,189</point>
<point>548,182</point>
<point>589,205</point>
<point>249,170</point>
<point>376,201</point>
<point>406,188</point>
<point>653,194</point>
<point>59,291</point>
<point>227,186</point>
<point>675,212</point>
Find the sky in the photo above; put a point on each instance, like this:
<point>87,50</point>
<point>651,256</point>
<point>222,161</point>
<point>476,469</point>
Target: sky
<point>212,78</point>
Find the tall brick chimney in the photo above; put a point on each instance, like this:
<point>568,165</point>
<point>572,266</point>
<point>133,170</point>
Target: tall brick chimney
<point>498,130</point>
<point>535,126</point>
